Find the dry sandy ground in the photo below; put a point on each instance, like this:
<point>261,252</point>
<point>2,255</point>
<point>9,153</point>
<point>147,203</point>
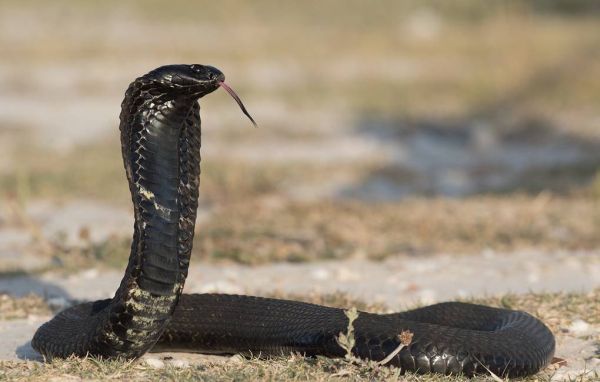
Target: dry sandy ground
<point>398,282</point>
<point>474,156</point>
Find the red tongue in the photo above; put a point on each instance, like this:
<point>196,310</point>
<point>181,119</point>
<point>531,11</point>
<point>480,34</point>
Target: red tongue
<point>238,100</point>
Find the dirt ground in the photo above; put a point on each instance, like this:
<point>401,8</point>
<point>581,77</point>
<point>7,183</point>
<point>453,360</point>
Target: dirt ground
<point>397,283</point>
<point>407,154</point>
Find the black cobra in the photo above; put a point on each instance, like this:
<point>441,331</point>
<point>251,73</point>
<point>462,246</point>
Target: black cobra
<point>160,138</point>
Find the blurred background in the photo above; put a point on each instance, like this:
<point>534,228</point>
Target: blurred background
<point>410,129</point>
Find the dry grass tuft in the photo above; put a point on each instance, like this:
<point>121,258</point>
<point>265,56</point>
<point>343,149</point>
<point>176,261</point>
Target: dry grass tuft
<point>558,310</point>
<point>22,307</point>
<point>293,231</point>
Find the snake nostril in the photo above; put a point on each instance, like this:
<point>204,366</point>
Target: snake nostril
<point>214,73</point>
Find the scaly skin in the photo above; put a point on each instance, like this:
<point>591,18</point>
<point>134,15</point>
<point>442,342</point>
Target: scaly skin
<point>160,137</point>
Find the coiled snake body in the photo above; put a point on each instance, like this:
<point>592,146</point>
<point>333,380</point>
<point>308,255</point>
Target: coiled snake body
<point>160,138</point>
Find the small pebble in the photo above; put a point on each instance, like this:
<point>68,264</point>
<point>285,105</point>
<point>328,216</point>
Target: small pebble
<point>154,363</point>
<point>180,363</point>
<point>579,327</point>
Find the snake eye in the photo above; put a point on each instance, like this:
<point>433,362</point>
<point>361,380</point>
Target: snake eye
<point>200,71</point>
<point>204,73</point>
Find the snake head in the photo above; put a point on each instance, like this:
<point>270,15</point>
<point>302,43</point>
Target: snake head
<point>193,81</point>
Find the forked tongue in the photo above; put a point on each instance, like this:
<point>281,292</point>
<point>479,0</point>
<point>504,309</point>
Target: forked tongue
<point>238,100</point>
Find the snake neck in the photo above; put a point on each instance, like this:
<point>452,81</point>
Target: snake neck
<point>160,138</point>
